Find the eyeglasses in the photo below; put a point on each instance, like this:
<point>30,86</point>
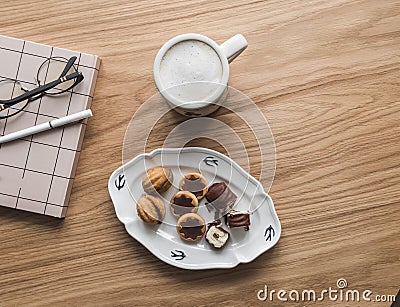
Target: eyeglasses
<point>62,73</point>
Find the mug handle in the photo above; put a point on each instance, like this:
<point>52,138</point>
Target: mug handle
<point>233,47</point>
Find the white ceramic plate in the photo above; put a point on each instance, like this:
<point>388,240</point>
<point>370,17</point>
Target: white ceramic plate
<point>163,241</point>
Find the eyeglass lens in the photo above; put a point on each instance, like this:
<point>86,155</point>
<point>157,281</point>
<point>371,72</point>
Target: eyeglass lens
<point>10,89</point>
<point>51,70</point>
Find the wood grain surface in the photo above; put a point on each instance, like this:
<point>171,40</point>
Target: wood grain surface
<point>326,76</point>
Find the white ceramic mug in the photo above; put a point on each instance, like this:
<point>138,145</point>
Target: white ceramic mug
<point>200,76</point>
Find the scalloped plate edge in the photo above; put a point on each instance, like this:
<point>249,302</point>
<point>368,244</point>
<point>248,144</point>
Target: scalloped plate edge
<point>155,252</point>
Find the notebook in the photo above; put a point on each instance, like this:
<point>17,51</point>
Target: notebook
<point>37,172</point>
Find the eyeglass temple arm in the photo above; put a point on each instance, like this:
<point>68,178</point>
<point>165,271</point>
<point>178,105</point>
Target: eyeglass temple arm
<point>39,90</point>
<point>68,66</point>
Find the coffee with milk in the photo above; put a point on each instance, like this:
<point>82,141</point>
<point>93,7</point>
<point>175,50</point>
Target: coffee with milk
<point>191,71</point>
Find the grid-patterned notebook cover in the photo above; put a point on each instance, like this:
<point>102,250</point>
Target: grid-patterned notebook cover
<point>37,172</point>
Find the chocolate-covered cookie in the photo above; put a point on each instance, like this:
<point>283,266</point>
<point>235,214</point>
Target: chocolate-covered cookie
<point>157,179</point>
<point>194,183</point>
<point>216,236</point>
<point>183,202</point>
<point>236,218</point>
<point>220,196</point>
<point>191,227</point>
<point>151,209</point>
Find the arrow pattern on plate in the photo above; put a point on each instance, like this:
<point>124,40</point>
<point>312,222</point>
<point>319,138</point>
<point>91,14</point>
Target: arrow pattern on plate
<point>120,181</point>
<point>210,161</point>
<point>269,233</point>
<point>178,255</point>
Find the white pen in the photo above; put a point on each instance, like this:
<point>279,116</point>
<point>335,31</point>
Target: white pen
<point>46,126</point>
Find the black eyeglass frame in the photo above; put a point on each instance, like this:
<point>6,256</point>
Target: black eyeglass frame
<point>41,90</point>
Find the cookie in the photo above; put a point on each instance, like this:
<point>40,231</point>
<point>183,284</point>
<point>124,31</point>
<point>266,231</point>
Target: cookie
<point>220,196</point>
<point>191,227</point>
<point>183,202</point>
<point>236,218</point>
<point>151,209</point>
<point>194,183</point>
<point>157,180</point>
<point>216,236</point>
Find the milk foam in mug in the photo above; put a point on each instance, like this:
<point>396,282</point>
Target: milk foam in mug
<point>191,71</point>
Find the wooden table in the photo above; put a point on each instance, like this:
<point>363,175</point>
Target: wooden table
<point>326,76</point>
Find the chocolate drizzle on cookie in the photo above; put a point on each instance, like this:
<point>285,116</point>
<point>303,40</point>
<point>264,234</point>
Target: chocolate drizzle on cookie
<point>194,185</point>
<point>192,228</point>
<point>183,202</point>
<point>182,205</point>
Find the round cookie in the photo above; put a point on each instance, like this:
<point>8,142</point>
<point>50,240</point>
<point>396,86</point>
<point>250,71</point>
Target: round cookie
<point>194,183</point>
<point>151,209</point>
<point>183,202</point>
<point>157,180</point>
<point>191,227</point>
